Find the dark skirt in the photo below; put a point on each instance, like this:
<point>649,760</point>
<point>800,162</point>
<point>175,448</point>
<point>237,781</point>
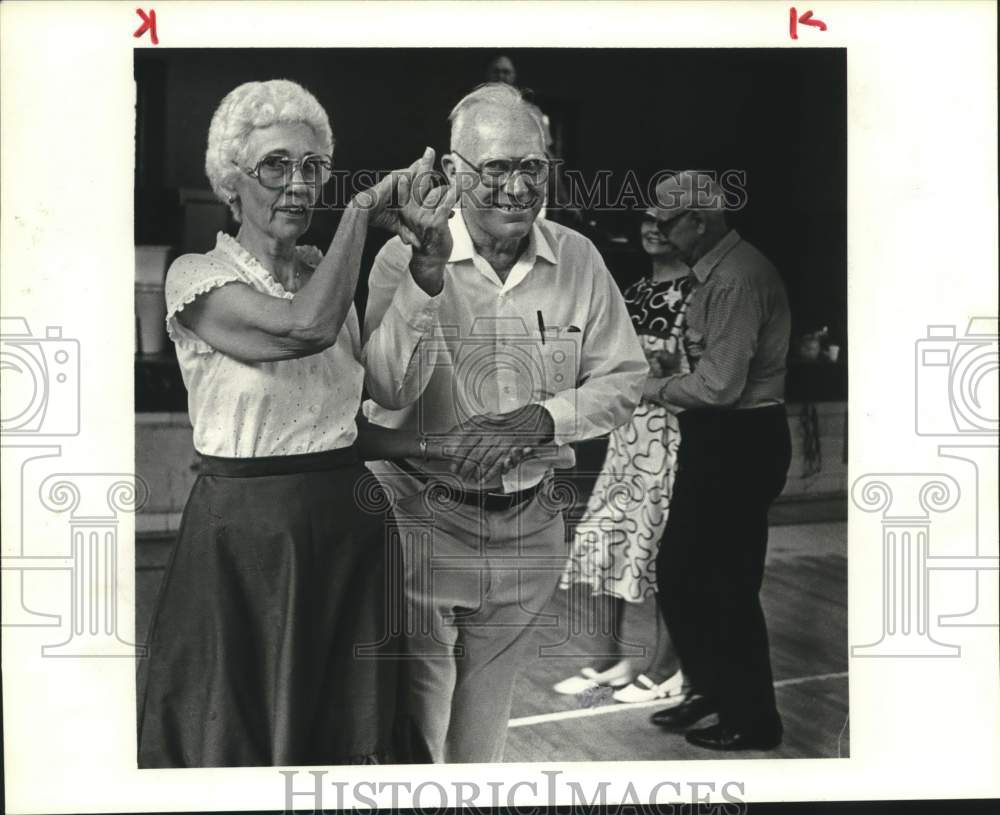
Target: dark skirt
<point>270,643</point>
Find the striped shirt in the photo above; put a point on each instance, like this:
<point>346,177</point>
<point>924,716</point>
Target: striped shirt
<point>738,325</point>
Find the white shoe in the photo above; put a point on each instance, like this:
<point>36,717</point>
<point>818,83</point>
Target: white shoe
<point>644,689</point>
<point>615,677</point>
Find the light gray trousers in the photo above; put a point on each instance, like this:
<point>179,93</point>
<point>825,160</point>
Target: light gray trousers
<point>475,583</point>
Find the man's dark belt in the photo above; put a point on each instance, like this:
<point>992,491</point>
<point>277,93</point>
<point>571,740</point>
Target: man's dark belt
<point>488,501</point>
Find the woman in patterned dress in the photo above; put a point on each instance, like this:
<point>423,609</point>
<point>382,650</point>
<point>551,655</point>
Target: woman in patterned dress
<point>615,543</point>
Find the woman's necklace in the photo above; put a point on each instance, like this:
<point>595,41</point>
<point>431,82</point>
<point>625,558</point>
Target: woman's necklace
<point>295,282</point>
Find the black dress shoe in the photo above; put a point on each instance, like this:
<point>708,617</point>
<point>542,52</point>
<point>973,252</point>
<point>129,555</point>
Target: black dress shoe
<point>689,711</point>
<point>721,737</point>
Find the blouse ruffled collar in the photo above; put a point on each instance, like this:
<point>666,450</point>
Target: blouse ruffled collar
<point>309,255</point>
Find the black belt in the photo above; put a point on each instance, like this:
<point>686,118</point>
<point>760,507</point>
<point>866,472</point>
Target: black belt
<point>488,501</point>
<point>279,465</point>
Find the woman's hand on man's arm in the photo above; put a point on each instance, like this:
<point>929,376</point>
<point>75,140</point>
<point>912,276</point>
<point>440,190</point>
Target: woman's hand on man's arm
<point>375,442</point>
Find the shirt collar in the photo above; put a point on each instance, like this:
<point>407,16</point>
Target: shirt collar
<point>539,245</point>
<point>461,240</point>
<point>707,262</point>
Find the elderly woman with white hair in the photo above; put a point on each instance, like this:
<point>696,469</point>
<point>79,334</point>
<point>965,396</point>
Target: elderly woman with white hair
<point>278,579</point>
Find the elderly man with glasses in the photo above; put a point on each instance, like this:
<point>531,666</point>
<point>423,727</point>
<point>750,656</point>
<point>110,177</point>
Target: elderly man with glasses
<point>503,339</point>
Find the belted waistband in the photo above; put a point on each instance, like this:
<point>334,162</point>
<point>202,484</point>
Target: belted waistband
<point>279,465</point>
<point>484,499</point>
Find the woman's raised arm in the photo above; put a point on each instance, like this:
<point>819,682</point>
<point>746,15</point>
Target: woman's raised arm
<point>255,327</point>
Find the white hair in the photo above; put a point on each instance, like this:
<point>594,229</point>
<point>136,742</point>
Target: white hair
<point>253,105</point>
<point>496,95</point>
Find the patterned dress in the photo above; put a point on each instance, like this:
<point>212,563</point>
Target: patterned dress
<point>615,543</point>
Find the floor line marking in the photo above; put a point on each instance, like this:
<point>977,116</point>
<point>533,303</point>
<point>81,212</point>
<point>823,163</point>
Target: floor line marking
<point>798,680</point>
<point>601,710</point>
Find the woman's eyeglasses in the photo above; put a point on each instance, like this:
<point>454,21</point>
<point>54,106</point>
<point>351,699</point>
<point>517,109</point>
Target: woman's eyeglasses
<point>665,227</point>
<point>276,171</point>
<point>496,172</point>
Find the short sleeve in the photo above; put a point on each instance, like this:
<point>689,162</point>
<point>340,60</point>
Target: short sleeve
<point>188,277</point>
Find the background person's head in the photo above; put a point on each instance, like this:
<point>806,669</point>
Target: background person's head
<point>501,69</point>
<point>257,141</point>
<point>490,126</point>
<point>689,210</point>
<point>653,242</point>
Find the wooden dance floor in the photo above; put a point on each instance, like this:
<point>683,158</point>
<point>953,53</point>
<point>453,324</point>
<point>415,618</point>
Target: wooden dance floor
<point>805,600</point>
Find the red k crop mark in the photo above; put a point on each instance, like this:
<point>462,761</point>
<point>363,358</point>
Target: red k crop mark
<point>794,19</point>
<point>148,24</point>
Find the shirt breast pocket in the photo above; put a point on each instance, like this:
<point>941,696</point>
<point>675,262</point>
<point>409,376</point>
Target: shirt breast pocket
<point>561,358</point>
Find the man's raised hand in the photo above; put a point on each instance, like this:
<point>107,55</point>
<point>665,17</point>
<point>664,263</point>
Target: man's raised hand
<point>406,203</point>
<point>381,202</point>
<point>425,213</point>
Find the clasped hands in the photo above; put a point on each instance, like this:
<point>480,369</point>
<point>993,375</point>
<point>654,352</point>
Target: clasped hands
<point>662,364</point>
<point>483,447</point>
<point>415,207</point>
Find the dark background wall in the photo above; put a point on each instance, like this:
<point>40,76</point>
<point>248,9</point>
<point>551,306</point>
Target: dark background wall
<point>777,114</point>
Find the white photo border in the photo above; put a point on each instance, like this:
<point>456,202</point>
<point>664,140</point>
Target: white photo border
<point>922,199</point>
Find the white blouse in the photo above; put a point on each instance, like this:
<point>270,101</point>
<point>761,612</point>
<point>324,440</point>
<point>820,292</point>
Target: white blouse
<point>245,410</point>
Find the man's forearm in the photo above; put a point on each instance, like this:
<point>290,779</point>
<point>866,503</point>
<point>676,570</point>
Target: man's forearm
<point>398,366</point>
<point>427,273</point>
<point>596,407</point>
<point>399,352</point>
<point>692,390</point>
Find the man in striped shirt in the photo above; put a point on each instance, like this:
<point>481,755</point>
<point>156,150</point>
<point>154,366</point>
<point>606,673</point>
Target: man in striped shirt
<point>733,459</point>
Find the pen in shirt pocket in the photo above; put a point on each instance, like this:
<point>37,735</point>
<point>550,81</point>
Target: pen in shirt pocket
<point>556,331</point>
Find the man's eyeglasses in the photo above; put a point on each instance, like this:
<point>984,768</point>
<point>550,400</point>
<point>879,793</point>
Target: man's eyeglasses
<point>276,171</point>
<point>496,172</point>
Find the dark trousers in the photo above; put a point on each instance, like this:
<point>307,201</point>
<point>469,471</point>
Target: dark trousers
<point>732,464</point>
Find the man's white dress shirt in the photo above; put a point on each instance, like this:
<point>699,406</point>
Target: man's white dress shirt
<point>477,347</point>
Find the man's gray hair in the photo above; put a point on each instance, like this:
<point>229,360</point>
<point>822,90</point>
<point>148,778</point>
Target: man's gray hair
<point>497,95</point>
